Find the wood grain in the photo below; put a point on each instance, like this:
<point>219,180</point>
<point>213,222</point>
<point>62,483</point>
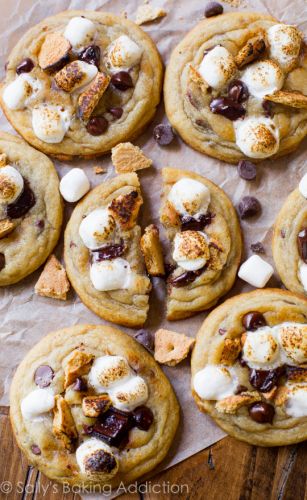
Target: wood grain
<point>229,470</point>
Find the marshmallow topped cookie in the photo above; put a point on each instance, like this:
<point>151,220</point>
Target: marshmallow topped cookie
<point>102,252</point>
<point>289,243</point>
<point>235,87</point>
<point>90,406</point>
<point>30,209</point>
<point>205,242</point>
<point>249,367</point>
<point>80,82</point>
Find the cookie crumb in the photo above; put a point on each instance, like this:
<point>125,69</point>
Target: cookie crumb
<point>99,170</point>
<point>129,158</point>
<point>171,348</point>
<point>146,14</point>
<point>53,281</point>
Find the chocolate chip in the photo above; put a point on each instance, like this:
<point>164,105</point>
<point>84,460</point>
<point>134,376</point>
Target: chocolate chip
<point>163,134</point>
<point>190,223</point>
<point>213,9</point>
<point>25,66</point>
<point>240,389</point>
<point>267,106</point>
<point>262,413</point>
<point>247,170</point>
<point>122,80</point>
<point>100,461</point>
<point>265,380</point>
<point>222,331</point>
<point>23,204</point>
<point>302,244</point>
<point>36,449</point>
<point>116,112</point>
<point>142,417</point>
<point>80,385</point>
<point>187,277</point>
<point>97,125</point>
<point>91,55</point>
<point>43,376</point>
<point>40,224</point>
<point>238,91</point>
<point>145,338</point>
<point>2,261</point>
<point>109,252</point>
<point>257,247</point>
<point>249,206</point>
<point>253,320</point>
<point>227,107</point>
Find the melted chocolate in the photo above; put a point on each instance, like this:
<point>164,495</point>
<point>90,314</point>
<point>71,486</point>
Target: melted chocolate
<point>80,385</point>
<point>227,107</point>
<point>253,320</point>
<point>190,223</point>
<point>238,91</point>
<point>23,204</point>
<point>2,261</point>
<point>186,278</point>
<point>91,55</point>
<point>110,251</point>
<point>302,244</point>
<point>265,380</point>
<point>143,417</point>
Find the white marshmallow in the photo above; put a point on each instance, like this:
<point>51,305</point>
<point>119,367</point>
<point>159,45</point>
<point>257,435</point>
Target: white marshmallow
<point>79,32</point>
<point>214,383</point>
<point>123,53</point>
<point>189,197</point>
<point>302,274</point>
<point>190,250</point>
<point>217,67</point>
<point>115,274</point>
<point>256,271</point>
<point>303,186</point>
<point>257,137</point>
<point>293,341</point>
<point>262,78</point>
<point>131,394</point>
<point>108,372</point>
<point>87,74</point>
<point>36,403</point>
<point>285,42</point>
<point>261,349</point>
<point>88,449</point>
<point>296,405</point>
<point>21,91</point>
<point>11,184</point>
<point>74,185</point>
<point>97,228</point>
<point>50,123</point>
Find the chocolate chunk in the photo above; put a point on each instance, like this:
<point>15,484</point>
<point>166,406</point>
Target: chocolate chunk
<point>116,112</point>
<point>227,107</point>
<point>265,380</point>
<point>238,91</point>
<point>112,427</point>
<point>213,9</point>
<point>190,223</point>
<point>36,449</point>
<point>249,206</point>
<point>23,204</point>
<point>122,80</point>
<point>253,320</point>
<point>80,385</point>
<point>257,247</point>
<point>267,106</point>
<point>2,261</point>
<point>25,66</point>
<point>186,278</point>
<point>163,134</point>
<point>263,413</point>
<point>302,244</point>
<point>109,251</point>
<point>43,376</point>
<point>100,461</point>
<point>97,125</point>
<point>91,55</point>
<point>142,417</point>
<point>145,338</point>
<point>247,170</point>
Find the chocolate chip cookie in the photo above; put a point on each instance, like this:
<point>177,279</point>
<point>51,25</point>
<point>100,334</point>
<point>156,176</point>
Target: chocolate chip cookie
<point>30,209</point>
<point>80,82</point>
<point>249,367</point>
<point>90,406</point>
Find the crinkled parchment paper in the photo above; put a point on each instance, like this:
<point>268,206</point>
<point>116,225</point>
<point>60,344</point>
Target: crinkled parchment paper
<point>26,318</point>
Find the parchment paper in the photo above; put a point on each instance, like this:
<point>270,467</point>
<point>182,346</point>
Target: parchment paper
<point>26,317</point>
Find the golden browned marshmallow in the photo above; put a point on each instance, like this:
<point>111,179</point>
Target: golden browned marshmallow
<point>152,251</point>
<point>109,371</point>
<point>125,209</point>
<point>93,406</point>
<point>254,48</point>
<point>191,250</point>
<point>291,98</point>
<point>232,404</point>
<point>75,75</point>
<point>257,137</point>
<point>285,42</point>
<point>293,339</point>
<point>54,51</point>
<point>53,281</point>
<point>129,158</point>
<point>77,364</point>
<point>11,184</point>
<point>96,459</point>
<point>6,227</point>
<point>64,427</point>
<point>89,99</point>
<point>171,347</point>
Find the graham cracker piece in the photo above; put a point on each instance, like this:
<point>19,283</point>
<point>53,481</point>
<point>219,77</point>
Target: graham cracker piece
<point>281,395</point>
<point>292,98</point>
<point>99,170</point>
<point>63,426</point>
<point>171,347</point>
<point>53,281</point>
<point>54,51</point>
<point>77,364</point>
<point>93,406</point>
<point>270,395</point>
<point>152,251</point>
<point>196,78</point>
<point>125,209</point>
<point>146,13</point>
<point>232,404</point>
<point>252,50</point>
<point>89,99</point>
<point>6,227</point>
<point>129,158</point>
<point>230,352</point>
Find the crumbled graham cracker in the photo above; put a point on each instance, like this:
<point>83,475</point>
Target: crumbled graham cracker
<point>6,227</point>
<point>77,364</point>
<point>99,170</point>
<point>129,158</point>
<point>64,427</point>
<point>171,347</point>
<point>146,14</point>
<point>53,51</point>
<point>252,50</point>
<point>53,281</point>
<point>291,98</point>
<point>89,99</point>
<point>232,404</point>
<point>230,352</point>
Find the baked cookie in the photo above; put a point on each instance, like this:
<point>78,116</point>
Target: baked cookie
<point>290,241</point>
<point>235,87</point>
<point>205,235</point>
<point>249,367</point>
<point>102,252</point>
<point>89,405</point>
<point>30,209</point>
<point>80,82</point>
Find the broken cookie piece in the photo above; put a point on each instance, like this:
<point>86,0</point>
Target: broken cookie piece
<point>129,158</point>
<point>63,426</point>
<point>171,347</point>
<point>6,227</point>
<point>291,98</point>
<point>54,53</point>
<point>232,404</point>
<point>89,99</point>
<point>53,281</point>
<point>125,209</point>
<point>77,364</point>
<point>93,406</point>
<point>152,251</point>
<point>147,13</point>
<point>254,48</point>
<point>230,352</point>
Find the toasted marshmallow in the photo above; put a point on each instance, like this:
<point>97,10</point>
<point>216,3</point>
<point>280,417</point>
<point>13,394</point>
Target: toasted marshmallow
<point>261,349</point>
<point>256,271</point>
<point>107,372</point>
<point>191,250</point>
<point>217,67</point>
<point>79,32</point>
<point>302,274</point>
<point>262,78</point>
<point>285,42</point>
<point>214,383</point>
<point>115,274</point>
<point>50,123</point>
<point>303,186</point>
<point>95,457</point>
<point>36,403</point>
<point>74,185</point>
<point>293,340</point>
<point>21,91</point>
<point>11,184</point>
<point>123,53</point>
<point>97,228</point>
<point>131,394</point>
<point>296,404</point>
<point>189,197</point>
<point>257,137</point>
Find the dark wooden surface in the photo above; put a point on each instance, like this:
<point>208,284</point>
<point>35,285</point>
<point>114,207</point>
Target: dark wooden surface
<point>228,470</point>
